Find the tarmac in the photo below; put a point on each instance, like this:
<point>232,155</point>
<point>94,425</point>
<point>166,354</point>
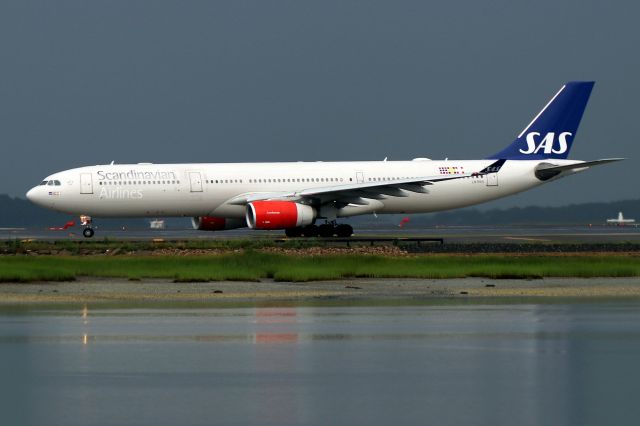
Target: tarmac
<point>458,235</point>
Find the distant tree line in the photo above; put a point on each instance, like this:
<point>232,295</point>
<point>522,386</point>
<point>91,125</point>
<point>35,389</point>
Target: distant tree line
<point>572,214</point>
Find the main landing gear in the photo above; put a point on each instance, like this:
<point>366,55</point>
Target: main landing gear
<point>326,230</point>
<point>88,228</point>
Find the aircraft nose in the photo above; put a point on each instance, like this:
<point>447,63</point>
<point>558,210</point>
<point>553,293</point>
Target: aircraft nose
<point>30,194</point>
<point>33,195</point>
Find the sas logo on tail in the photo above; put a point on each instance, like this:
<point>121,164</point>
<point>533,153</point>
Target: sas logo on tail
<point>548,144</point>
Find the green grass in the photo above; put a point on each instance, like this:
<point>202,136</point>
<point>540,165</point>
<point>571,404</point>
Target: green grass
<point>253,266</point>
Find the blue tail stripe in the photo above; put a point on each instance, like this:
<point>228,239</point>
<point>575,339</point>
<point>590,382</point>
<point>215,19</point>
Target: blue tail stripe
<point>551,133</point>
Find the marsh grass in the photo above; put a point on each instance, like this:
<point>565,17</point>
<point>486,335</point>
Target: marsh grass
<point>253,266</point>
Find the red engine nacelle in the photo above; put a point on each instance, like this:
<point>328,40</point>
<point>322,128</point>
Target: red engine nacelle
<point>210,223</point>
<point>278,215</point>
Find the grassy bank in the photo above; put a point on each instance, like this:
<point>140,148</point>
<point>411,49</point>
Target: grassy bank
<point>253,266</point>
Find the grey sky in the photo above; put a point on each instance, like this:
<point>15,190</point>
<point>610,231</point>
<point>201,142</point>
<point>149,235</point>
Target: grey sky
<point>88,82</point>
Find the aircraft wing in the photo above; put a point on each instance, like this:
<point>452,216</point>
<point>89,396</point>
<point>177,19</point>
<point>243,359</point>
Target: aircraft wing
<point>546,171</point>
<point>358,193</point>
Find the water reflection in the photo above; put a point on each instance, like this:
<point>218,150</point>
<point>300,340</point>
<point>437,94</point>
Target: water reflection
<point>507,364</point>
<point>275,325</point>
<point>85,321</point>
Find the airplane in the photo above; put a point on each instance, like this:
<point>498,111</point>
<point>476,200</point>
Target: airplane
<point>308,198</point>
<point>621,221</point>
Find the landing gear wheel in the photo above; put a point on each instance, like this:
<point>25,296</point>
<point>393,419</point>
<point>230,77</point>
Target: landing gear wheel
<point>293,232</point>
<point>326,230</point>
<point>344,231</point>
<point>88,232</point>
<point>310,231</point>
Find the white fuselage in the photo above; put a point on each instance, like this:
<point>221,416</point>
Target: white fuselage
<point>205,189</point>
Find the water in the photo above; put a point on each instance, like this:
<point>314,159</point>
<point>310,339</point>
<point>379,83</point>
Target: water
<point>431,364</point>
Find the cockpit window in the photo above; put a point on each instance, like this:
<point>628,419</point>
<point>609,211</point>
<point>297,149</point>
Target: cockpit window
<point>50,183</point>
<point>44,182</point>
<point>57,183</point>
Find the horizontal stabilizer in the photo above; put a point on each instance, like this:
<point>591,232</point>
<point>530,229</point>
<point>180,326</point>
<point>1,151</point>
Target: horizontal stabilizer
<point>546,171</point>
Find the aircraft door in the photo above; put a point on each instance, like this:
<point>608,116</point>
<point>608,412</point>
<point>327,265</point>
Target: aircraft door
<point>86,183</point>
<point>360,177</point>
<point>195,181</point>
<point>492,179</point>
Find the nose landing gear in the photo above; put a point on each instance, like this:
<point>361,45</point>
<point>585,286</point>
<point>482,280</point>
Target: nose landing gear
<point>88,228</point>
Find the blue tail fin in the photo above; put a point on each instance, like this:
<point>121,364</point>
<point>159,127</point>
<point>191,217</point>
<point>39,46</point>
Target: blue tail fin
<point>551,133</point>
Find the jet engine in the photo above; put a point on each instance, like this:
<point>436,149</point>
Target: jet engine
<point>210,223</point>
<point>278,215</point>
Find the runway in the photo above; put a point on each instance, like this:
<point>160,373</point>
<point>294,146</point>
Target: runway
<point>458,235</point>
